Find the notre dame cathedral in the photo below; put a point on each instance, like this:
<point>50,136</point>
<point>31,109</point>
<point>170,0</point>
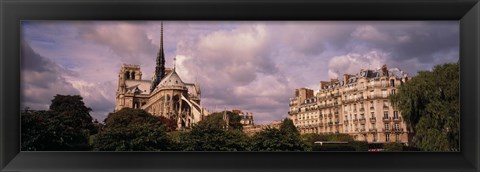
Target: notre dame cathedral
<point>166,94</point>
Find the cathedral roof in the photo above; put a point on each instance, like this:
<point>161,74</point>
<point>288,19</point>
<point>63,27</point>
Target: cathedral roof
<point>141,86</point>
<point>172,80</point>
<point>192,89</point>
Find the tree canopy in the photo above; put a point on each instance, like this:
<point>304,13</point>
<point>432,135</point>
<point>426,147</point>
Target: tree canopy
<point>429,104</point>
<point>216,119</point>
<point>132,130</point>
<point>209,137</point>
<point>66,126</point>
<point>128,117</point>
<point>287,138</point>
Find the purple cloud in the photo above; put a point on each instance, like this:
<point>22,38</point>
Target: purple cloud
<point>253,66</point>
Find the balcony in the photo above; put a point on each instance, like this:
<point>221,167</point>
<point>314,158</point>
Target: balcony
<point>372,130</point>
<point>385,107</point>
<point>372,108</point>
<point>397,129</point>
<point>355,121</point>
<point>362,130</point>
<point>387,119</point>
<point>362,120</point>
<point>345,121</point>
<point>386,130</point>
<point>330,124</point>
<point>373,120</point>
<point>329,115</point>
<point>336,116</point>
<point>397,119</point>
<point>362,109</point>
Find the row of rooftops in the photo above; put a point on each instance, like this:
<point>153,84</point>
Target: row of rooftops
<point>368,74</point>
<point>350,80</point>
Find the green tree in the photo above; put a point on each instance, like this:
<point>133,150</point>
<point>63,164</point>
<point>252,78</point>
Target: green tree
<point>74,110</point>
<point>216,118</point>
<point>66,126</point>
<point>133,138</point>
<point>211,137</point>
<point>288,127</point>
<point>132,130</point>
<point>51,131</point>
<point>393,147</point>
<point>311,137</point>
<point>429,104</point>
<point>286,138</point>
<point>130,117</point>
<point>170,123</point>
<point>272,139</point>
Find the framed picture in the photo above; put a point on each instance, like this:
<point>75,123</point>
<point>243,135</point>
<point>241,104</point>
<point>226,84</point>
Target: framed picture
<point>310,85</point>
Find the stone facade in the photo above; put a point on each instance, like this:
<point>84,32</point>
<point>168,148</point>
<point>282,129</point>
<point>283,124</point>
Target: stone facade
<point>246,117</point>
<point>253,129</point>
<point>166,94</point>
<point>356,104</point>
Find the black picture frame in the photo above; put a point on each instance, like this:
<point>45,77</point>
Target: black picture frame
<point>12,12</point>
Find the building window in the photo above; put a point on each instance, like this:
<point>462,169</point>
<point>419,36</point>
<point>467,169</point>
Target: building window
<point>384,93</point>
<point>375,137</point>
<point>387,137</point>
<point>387,127</point>
<point>393,91</point>
<point>397,137</point>
<point>395,114</point>
<point>385,114</point>
<point>397,127</point>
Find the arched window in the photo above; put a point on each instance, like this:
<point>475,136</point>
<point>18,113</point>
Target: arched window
<point>392,83</point>
<point>127,75</point>
<point>133,75</point>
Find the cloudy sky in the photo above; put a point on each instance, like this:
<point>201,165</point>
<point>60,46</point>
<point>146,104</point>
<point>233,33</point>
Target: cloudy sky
<point>253,66</point>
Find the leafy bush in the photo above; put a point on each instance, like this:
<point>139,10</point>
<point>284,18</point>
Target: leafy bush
<point>333,147</point>
<point>209,137</point>
<point>133,138</point>
<point>393,147</point>
<point>361,146</point>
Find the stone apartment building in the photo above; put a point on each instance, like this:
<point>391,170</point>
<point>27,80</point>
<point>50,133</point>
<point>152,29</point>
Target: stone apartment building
<point>357,104</point>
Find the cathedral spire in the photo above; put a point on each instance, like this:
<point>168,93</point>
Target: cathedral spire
<point>161,35</point>
<point>160,67</point>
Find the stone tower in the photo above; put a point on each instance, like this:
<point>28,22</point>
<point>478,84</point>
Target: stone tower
<point>127,72</point>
